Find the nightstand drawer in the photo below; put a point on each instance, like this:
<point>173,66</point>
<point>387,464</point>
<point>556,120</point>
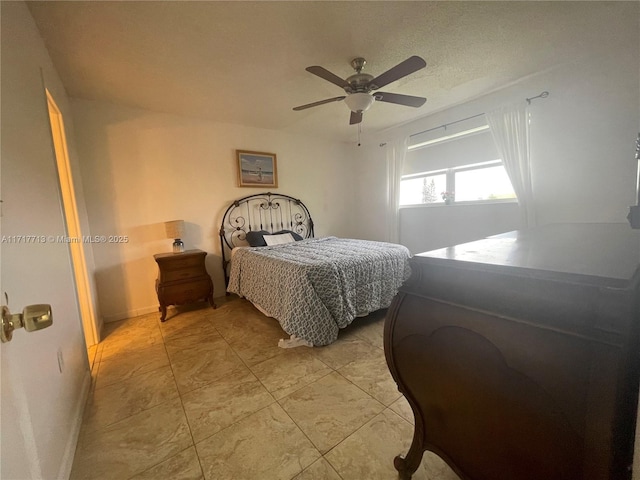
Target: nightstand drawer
<point>181,262</point>
<point>186,292</point>
<point>171,275</point>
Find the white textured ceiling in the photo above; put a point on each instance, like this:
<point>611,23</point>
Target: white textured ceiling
<point>244,62</point>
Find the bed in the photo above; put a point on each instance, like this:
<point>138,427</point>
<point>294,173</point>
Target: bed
<point>312,286</point>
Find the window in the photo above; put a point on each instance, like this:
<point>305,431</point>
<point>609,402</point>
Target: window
<point>461,166</point>
<point>482,182</point>
<point>425,188</point>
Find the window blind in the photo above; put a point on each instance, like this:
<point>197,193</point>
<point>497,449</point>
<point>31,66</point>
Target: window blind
<point>473,148</point>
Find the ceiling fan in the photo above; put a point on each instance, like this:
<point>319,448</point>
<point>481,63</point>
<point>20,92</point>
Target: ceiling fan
<point>359,87</point>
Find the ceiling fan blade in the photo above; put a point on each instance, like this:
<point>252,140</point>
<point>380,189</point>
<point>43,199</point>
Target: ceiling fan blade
<point>356,117</point>
<point>408,100</point>
<point>327,75</point>
<point>321,102</point>
<point>403,69</point>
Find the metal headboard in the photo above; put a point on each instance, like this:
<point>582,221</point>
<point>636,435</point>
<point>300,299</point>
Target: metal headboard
<point>263,211</point>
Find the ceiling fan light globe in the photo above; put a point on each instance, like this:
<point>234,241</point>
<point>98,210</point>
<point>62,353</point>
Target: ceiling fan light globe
<point>359,102</point>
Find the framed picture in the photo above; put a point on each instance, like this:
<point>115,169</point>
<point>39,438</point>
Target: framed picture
<point>257,169</point>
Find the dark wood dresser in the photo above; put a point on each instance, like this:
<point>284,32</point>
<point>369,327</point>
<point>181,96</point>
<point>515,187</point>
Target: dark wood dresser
<point>182,278</point>
<point>519,353</point>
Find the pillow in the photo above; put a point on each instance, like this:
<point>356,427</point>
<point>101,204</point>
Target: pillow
<point>256,238</point>
<point>278,239</point>
<point>296,236</point>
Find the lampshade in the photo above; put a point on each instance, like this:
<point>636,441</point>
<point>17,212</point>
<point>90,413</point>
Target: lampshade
<point>359,102</point>
<point>174,228</point>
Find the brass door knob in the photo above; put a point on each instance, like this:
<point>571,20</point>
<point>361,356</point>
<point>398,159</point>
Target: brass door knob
<point>33,317</point>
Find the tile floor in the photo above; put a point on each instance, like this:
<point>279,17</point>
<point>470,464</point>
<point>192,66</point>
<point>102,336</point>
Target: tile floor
<point>209,395</point>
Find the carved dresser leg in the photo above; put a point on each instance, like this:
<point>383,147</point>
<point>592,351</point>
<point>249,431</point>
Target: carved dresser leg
<point>406,466</point>
<point>401,466</point>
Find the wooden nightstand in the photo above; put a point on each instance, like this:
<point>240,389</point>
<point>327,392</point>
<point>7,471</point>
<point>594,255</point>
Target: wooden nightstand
<point>182,278</point>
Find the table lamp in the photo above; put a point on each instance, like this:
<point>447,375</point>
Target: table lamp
<point>175,230</point>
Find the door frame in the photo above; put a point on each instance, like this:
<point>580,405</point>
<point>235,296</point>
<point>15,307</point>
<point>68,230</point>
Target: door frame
<point>72,224</point>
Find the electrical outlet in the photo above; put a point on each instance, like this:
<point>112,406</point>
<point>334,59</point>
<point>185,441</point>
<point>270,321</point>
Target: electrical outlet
<point>60,360</point>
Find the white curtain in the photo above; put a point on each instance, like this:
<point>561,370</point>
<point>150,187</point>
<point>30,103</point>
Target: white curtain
<point>510,130</point>
<point>396,153</point>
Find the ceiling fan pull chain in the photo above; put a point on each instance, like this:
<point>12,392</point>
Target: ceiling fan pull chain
<point>359,132</point>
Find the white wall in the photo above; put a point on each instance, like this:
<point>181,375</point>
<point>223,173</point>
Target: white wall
<point>141,169</point>
<point>41,405</point>
<point>582,143</point>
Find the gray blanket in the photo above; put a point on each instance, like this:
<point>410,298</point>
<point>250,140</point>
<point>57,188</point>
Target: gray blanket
<point>315,287</point>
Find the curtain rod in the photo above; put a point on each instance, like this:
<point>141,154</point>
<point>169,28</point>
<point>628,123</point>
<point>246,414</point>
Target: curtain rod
<point>544,94</point>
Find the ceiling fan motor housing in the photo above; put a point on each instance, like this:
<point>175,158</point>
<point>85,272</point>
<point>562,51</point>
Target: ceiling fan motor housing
<point>359,82</point>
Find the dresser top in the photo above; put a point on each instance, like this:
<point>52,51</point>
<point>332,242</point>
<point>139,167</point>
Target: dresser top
<point>606,254</point>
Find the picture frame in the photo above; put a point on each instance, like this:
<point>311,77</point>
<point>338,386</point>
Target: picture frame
<point>256,169</point>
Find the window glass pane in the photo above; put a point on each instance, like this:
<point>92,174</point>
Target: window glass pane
<point>426,189</point>
<point>489,183</point>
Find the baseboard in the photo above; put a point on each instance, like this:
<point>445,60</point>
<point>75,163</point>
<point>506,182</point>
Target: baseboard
<point>129,314</point>
<point>115,317</point>
<point>74,433</point>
